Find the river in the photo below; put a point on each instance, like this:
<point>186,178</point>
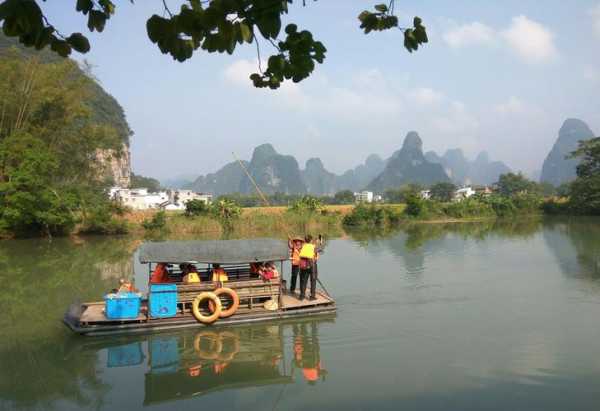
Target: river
<point>472,316</point>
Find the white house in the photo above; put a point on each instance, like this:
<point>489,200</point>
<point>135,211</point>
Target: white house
<point>183,196</point>
<point>425,194</point>
<point>463,193</point>
<point>363,197</point>
<point>141,199</point>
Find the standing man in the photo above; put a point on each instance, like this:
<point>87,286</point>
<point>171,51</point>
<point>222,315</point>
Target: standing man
<point>307,260</point>
<point>294,245</point>
<point>314,275</point>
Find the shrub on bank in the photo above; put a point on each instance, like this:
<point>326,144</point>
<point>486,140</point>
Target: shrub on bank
<point>194,208</point>
<point>371,215</point>
<point>468,208</point>
<point>102,220</point>
<point>157,222</point>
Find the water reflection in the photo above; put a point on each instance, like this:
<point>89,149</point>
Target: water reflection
<point>575,244</point>
<point>191,363</point>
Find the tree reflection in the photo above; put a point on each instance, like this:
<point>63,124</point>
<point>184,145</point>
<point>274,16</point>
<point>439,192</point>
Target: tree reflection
<point>39,280</point>
<point>575,242</point>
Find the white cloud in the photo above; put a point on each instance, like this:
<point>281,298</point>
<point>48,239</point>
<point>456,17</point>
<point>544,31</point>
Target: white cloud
<point>591,74</point>
<point>514,105</point>
<point>239,72</point>
<point>530,40</point>
<point>595,13</point>
<point>426,96</point>
<point>475,33</point>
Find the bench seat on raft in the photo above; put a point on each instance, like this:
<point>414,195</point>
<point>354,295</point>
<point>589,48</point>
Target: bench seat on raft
<point>250,292</point>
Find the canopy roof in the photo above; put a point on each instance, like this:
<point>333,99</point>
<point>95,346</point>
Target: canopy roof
<point>216,251</point>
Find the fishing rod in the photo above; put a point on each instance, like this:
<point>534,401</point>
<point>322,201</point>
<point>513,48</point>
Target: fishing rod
<point>282,222</point>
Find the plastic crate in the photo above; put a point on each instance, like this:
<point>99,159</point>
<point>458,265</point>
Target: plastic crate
<point>163,300</point>
<point>120,306</point>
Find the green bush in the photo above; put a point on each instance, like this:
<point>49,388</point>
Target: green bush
<point>415,205</point>
<point>101,220</point>
<point>306,204</point>
<point>157,222</point>
<point>226,212</point>
<point>194,208</point>
<point>371,215</point>
<point>469,207</point>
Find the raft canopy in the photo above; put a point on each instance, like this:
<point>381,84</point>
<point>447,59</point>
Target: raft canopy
<point>214,251</point>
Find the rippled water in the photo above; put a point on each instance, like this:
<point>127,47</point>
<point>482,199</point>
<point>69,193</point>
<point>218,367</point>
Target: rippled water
<point>470,316</point>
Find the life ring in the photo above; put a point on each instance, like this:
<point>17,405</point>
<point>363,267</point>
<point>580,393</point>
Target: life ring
<point>236,346</point>
<point>216,311</point>
<point>216,346</point>
<point>234,305</point>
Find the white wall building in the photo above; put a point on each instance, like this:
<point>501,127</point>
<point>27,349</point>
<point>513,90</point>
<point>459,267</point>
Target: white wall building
<point>363,197</point>
<point>425,194</point>
<point>463,193</point>
<point>183,196</point>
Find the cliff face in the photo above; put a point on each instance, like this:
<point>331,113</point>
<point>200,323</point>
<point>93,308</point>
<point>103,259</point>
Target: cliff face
<point>317,179</point>
<point>224,181</point>
<point>408,165</point>
<point>273,172</point>
<point>558,169</point>
<point>116,166</point>
<point>104,110</point>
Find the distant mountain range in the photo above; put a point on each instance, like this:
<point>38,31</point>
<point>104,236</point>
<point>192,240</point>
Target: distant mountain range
<point>557,168</point>
<point>408,165</point>
<point>481,171</point>
<point>275,172</point>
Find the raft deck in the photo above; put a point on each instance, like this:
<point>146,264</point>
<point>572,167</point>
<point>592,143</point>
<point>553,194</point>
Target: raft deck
<point>92,320</point>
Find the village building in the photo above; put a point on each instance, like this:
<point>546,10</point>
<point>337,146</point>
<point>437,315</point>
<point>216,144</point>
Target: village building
<point>363,197</point>
<point>464,192</point>
<point>141,199</point>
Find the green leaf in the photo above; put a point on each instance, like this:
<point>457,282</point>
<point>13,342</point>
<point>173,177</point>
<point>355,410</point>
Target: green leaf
<point>96,20</point>
<point>381,8</point>
<point>291,29</point>
<point>417,21</point>
<point>61,47</point>
<point>246,32</point>
<point>157,28</point>
<point>79,42</point>
<point>84,6</point>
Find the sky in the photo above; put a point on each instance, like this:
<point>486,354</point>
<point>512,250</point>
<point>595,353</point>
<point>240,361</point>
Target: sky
<point>499,76</point>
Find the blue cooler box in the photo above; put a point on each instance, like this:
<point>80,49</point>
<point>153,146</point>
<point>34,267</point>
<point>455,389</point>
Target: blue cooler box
<point>163,300</point>
<point>122,306</point>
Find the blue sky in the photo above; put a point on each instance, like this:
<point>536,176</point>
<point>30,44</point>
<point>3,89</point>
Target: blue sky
<point>498,76</point>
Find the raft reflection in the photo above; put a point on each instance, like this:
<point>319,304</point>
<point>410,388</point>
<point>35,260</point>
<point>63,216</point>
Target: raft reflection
<point>193,363</point>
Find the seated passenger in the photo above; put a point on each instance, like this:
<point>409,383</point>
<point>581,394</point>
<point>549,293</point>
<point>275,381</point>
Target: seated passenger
<point>268,271</point>
<point>255,269</point>
<point>192,275</point>
<point>125,286</point>
<point>218,274</point>
<point>160,274</point>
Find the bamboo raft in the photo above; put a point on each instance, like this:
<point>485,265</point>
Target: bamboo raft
<point>235,255</point>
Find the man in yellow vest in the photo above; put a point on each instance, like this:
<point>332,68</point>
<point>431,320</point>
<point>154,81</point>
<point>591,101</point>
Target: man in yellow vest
<point>307,260</point>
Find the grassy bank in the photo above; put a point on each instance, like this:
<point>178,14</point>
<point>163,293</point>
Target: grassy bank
<point>252,222</point>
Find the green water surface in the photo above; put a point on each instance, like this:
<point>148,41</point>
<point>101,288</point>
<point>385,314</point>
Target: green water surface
<point>474,316</point>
